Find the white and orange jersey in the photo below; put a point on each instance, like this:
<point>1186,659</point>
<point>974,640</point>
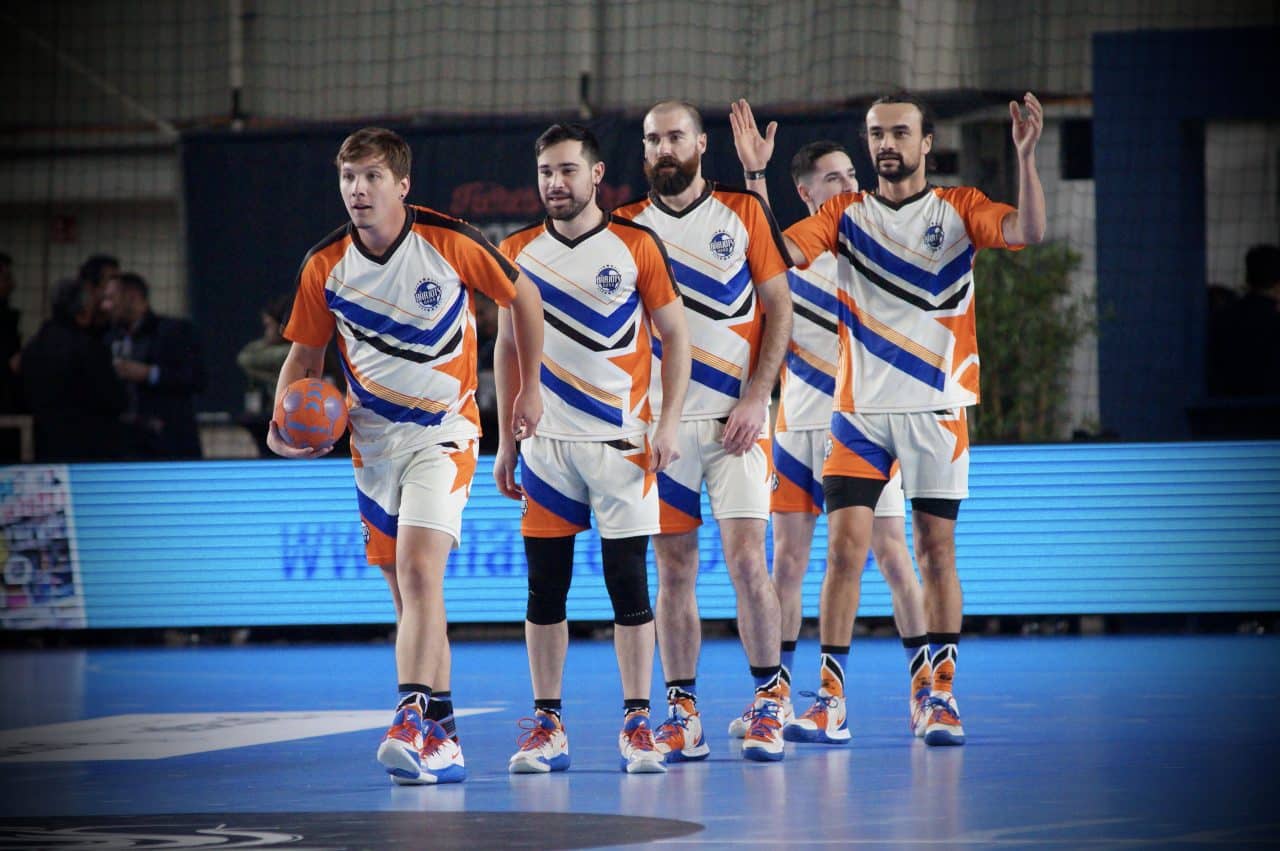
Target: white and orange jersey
<point>908,338</point>
<point>598,292</point>
<point>406,328</point>
<point>809,372</point>
<point>721,247</point>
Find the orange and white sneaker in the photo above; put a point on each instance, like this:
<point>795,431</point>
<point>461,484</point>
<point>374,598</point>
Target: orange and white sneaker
<point>763,741</point>
<point>679,738</point>
<point>826,721</point>
<point>739,726</point>
<point>918,706</point>
<point>640,754</point>
<point>943,726</point>
<point>416,751</point>
<point>544,746</point>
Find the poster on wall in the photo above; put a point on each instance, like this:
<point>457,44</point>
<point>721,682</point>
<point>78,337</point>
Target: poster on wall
<point>42,587</point>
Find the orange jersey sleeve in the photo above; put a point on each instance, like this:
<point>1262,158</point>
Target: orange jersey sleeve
<point>311,323</point>
<point>654,280</point>
<point>766,252</point>
<point>983,218</point>
<point>820,232</point>
<point>478,263</point>
<point>517,240</point>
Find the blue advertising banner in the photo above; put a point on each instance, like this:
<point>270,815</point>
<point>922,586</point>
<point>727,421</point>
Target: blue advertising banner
<point>1118,528</point>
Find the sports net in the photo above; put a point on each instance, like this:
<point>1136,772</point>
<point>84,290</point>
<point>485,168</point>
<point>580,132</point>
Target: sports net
<point>100,91</point>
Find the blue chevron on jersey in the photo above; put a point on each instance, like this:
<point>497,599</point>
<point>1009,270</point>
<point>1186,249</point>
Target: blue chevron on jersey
<point>378,323</point>
<point>825,301</point>
<point>718,380</point>
<point>819,380</point>
<point>797,471</point>
<point>391,411</point>
<point>376,515</point>
<point>726,292</point>
<point>954,271</point>
<point>578,399</point>
<point>679,497</point>
<point>577,513</point>
<point>858,443</point>
<point>606,324</point>
<point>891,353</point>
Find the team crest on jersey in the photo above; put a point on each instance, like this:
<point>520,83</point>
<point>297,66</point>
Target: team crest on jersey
<point>428,295</point>
<point>722,245</point>
<point>934,237</point>
<point>608,279</point>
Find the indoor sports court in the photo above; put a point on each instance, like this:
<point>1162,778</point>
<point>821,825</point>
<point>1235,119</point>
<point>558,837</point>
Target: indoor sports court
<point>196,650</point>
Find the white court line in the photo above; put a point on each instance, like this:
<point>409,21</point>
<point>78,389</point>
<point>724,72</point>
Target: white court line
<point>161,735</point>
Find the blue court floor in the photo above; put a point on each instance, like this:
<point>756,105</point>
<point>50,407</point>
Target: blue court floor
<point>1073,742</point>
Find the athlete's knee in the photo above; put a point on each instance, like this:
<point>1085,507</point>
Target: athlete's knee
<point>550,573</point>
<point>626,578</point>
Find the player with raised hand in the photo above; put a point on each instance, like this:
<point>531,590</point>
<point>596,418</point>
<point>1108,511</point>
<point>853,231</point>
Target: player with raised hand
<point>821,170</point>
<point>908,368</point>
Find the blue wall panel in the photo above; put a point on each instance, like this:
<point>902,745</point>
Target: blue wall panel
<point>1177,527</point>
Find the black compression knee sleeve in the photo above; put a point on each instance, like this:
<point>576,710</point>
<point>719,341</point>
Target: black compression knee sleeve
<point>626,578</point>
<point>550,572</point>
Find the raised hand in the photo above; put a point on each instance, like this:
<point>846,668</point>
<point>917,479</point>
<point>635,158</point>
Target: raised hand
<point>754,150</point>
<point>1028,122</point>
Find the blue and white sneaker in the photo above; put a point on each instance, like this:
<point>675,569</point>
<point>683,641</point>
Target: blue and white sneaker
<point>679,738</point>
<point>417,751</point>
<point>544,746</point>
<point>639,753</point>
<point>826,721</point>
<point>763,741</point>
<point>944,726</point>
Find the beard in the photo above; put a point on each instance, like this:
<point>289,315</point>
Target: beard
<point>899,169</point>
<point>571,210</point>
<point>674,182</point>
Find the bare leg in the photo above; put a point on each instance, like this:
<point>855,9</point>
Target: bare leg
<point>678,626</point>
<point>792,539</point>
<point>548,644</point>
<point>422,641</point>
<point>634,647</point>
<point>889,545</point>
<point>848,538</point>
<point>935,543</point>
<point>759,620</point>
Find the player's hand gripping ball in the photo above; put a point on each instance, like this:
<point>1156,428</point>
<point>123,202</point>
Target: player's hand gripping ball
<point>311,413</point>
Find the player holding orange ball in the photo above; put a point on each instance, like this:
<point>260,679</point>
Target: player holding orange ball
<point>396,284</point>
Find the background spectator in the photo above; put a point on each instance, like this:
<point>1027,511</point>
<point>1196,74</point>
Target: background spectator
<point>159,359</point>
<point>73,393</point>
<point>1244,338</point>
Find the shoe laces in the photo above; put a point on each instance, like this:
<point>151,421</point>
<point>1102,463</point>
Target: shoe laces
<point>433,736</point>
<point>764,719</point>
<point>640,738</point>
<point>940,705</point>
<point>534,735</point>
<point>672,726</point>
<point>821,702</point>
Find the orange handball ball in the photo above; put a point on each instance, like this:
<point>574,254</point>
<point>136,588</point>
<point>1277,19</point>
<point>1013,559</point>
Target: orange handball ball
<point>311,412</point>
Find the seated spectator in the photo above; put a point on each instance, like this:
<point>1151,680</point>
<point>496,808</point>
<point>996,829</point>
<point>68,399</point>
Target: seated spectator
<point>1244,338</point>
<point>261,360</point>
<point>160,361</point>
<point>71,388</point>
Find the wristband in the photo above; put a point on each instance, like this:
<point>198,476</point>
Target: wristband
<point>754,175</point>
